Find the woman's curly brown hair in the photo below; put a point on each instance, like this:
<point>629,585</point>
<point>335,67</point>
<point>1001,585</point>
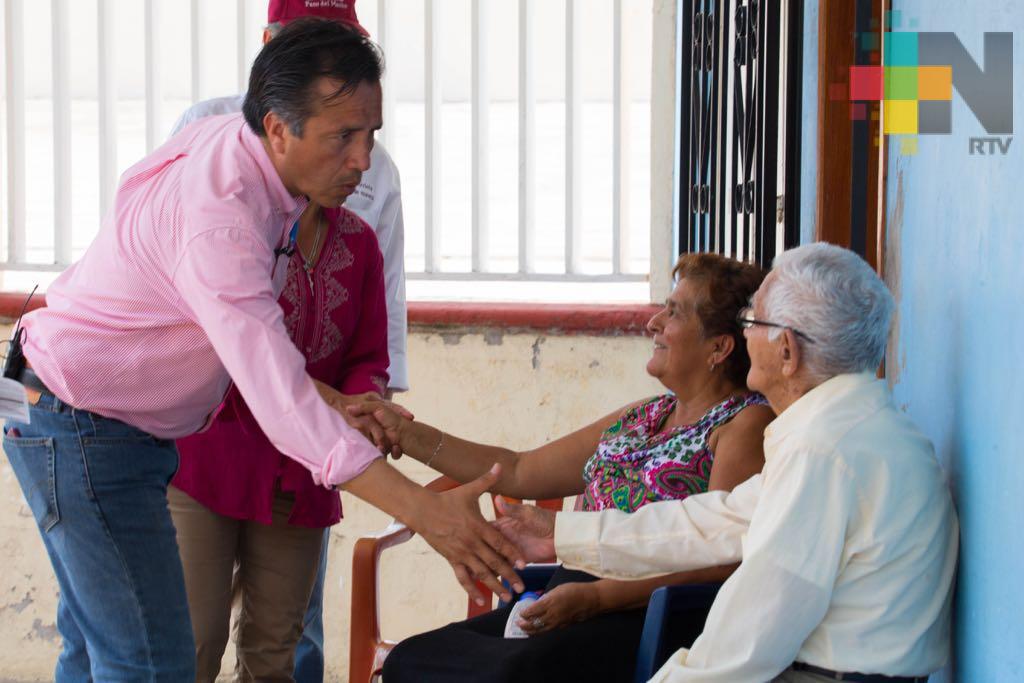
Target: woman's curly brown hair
<point>726,288</point>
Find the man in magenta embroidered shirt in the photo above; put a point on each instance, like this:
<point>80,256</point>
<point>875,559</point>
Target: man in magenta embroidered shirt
<point>175,299</point>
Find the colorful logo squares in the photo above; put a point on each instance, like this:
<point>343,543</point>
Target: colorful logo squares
<point>916,99</point>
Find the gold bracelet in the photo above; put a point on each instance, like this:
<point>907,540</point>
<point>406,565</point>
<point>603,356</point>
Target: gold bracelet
<point>437,449</point>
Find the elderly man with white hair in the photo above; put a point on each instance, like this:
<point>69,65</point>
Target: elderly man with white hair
<point>848,537</point>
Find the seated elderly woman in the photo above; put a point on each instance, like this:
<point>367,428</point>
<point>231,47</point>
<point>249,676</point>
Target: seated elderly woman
<point>848,537</point>
<point>704,433</point>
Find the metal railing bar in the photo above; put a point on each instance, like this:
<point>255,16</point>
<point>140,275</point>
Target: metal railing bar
<point>154,134</point>
<point>621,99</point>
<point>432,67</point>
<point>14,23</point>
<point>60,45</point>
<point>107,96</point>
<point>573,136</point>
<point>527,132</point>
<point>384,30</point>
<point>723,197</point>
<point>480,143</point>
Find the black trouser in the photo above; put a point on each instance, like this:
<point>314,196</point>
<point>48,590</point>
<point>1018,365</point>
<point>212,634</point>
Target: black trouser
<point>599,649</point>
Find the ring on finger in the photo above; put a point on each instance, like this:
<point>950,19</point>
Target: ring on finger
<point>538,623</point>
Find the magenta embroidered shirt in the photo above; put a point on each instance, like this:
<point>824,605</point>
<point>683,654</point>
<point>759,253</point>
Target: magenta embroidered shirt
<point>177,295</point>
<point>337,317</point>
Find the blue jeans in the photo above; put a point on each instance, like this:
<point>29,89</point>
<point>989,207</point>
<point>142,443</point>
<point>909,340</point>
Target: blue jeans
<point>309,654</point>
<point>98,491</point>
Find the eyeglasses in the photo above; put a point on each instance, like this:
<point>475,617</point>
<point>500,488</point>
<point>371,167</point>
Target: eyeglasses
<point>746,320</point>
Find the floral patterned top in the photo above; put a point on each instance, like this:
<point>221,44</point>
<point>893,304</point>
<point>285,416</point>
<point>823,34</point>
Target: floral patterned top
<point>635,464</point>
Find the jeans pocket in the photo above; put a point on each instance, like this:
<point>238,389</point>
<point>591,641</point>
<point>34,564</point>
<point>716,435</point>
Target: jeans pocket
<point>34,462</point>
<point>137,460</point>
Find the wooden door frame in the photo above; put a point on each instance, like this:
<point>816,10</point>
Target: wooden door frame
<point>837,146</point>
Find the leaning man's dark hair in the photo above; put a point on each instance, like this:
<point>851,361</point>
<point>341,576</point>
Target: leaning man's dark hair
<point>285,71</point>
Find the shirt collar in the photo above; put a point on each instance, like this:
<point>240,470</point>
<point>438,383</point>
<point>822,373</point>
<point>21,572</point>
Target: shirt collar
<point>281,200</point>
<point>825,396</point>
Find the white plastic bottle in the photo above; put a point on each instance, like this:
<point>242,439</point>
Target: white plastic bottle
<point>512,629</point>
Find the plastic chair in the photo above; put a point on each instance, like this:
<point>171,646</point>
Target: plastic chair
<point>367,649</point>
<point>667,604</point>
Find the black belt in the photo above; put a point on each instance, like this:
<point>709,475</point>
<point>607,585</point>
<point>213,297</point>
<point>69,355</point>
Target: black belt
<point>30,380</point>
<point>857,677</point>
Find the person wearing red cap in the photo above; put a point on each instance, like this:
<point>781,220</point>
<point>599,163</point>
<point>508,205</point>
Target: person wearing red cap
<point>378,201</point>
<point>283,11</point>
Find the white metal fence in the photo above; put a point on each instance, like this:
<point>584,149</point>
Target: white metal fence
<point>491,197</point>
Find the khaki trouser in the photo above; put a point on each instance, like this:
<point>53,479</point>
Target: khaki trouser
<point>276,568</point>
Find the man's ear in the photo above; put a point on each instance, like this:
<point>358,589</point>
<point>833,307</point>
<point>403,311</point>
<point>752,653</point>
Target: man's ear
<point>276,130</point>
<point>789,353</point>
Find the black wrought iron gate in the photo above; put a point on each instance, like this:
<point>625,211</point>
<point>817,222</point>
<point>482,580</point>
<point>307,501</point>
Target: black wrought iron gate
<point>737,76</point>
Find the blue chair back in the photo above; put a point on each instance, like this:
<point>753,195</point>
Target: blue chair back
<point>666,603</point>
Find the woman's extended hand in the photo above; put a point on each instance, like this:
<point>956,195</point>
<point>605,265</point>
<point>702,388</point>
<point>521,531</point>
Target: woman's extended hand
<point>530,528</point>
<point>391,417</point>
<point>366,424</point>
<point>560,606</point>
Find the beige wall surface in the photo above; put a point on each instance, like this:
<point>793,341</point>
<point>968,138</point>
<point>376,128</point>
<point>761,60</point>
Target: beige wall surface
<point>517,390</point>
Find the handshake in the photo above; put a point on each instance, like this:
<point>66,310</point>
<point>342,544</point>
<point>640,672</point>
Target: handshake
<point>379,420</point>
<point>450,521</point>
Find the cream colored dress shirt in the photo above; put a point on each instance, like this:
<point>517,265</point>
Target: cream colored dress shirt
<point>848,540</point>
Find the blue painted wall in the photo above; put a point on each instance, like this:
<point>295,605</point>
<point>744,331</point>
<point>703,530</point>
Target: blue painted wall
<point>809,123</point>
<point>956,262</point>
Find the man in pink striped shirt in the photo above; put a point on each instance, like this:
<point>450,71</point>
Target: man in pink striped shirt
<point>175,299</point>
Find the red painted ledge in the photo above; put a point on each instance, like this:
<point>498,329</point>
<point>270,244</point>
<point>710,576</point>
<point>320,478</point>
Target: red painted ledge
<point>597,319</point>
<point>11,303</point>
<point>594,319</point>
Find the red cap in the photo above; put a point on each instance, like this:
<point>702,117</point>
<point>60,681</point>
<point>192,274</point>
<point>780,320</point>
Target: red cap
<point>283,11</point>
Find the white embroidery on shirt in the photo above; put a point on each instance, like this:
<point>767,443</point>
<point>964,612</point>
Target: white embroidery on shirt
<point>335,294</point>
<point>292,295</point>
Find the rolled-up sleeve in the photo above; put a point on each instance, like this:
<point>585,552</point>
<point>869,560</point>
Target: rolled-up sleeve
<point>224,278</point>
<point>705,530</point>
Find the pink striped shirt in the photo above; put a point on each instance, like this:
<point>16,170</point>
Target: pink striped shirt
<point>177,296</point>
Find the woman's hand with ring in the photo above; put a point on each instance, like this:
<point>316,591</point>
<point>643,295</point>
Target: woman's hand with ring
<point>559,607</point>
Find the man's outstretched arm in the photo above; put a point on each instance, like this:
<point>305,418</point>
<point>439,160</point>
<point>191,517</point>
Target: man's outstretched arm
<point>702,531</point>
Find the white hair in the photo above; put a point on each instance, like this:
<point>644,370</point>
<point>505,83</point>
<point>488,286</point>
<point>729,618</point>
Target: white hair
<point>834,297</point>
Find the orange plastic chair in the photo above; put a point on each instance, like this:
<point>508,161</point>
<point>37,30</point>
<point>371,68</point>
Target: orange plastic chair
<point>367,650</point>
